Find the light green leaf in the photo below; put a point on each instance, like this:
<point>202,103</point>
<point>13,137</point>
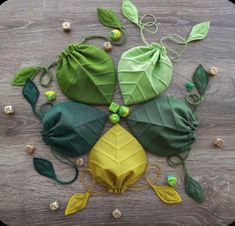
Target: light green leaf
<point>200,80</point>
<point>108,18</point>
<point>130,11</point>
<point>199,31</point>
<point>23,74</point>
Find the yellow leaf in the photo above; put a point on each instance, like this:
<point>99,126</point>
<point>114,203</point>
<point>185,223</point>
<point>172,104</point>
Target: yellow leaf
<point>167,194</point>
<point>77,202</point>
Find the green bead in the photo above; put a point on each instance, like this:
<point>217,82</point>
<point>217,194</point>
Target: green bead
<point>114,118</point>
<point>115,35</point>
<point>171,180</point>
<point>113,107</point>
<point>51,95</point>
<point>189,86</point>
<point>123,111</point>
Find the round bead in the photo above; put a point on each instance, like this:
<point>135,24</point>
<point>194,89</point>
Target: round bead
<point>66,26</point>
<point>123,111</point>
<point>116,213</point>
<point>114,118</point>
<point>80,162</point>
<point>9,110</point>
<point>30,149</point>
<point>108,46</point>
<point>115,35</point>
<point>51,95</point>
<point>171,180</point>
<point>189,86</point>
<point>213,71</point>
<point>218,142</point>
<point>54,206</point>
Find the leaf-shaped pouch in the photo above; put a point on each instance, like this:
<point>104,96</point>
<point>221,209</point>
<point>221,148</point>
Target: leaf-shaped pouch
<point>144,72</point>
<point>164,126</point>
<point>86,73</point>
<point>117,160</point>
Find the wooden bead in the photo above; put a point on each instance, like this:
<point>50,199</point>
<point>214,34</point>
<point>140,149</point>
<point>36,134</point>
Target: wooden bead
<point>66,26</point>
<point>116,213</point>
<point>108,46</point>
<point>218,142</point>
<point>213,71</point>
<point>80,162</point>
<point>54,206</point>
<point>9,109</point>
<point>30,149</point>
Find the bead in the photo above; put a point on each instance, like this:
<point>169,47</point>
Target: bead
<point>218,142</point>
<point>9,109</point>
<point>80,162</point>
<point>115,35</point>
<point>30,149</point>
<point>123,111</point>
<point>189,86</point>
<point>108,46</point>
<point>66,26</point>
<point>171,180</point>
<point>51,95</point>
<point>113,107</point>
<point>54,206</point>
<point>114,118</point>
<point>213,71</point>
<point>116,213</point>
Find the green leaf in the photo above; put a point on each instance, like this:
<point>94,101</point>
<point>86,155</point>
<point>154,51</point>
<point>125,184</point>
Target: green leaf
<point>200,80</point>
<point>193,189</point>
<point>130,11</point>
<point>108,18</point>
<point>23,74</point>
<point>44,167</point>
<point>199,31</point>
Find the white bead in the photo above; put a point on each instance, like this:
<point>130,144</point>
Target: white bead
<point>116,213</point>
<point>80,162</point>
<point>30,149</point>
<point>66,26</point>
<point>54,206</point>
<point>9,109</point>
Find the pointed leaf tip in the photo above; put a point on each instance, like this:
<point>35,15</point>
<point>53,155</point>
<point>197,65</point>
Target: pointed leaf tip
<point>199,31</point>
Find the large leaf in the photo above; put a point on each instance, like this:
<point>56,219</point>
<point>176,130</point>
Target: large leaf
<point>164,126</point>
<point>199,31</point>
<point>130,11</point>
<point>167,194</point>
<point>76,203</point>
<point>144,72</point>
<point>86,73</point>
<point>108,18</point>
<point>117,160</point>
<point>44,167</point>
<point>201,80</point>
<point>193,189</point>
<point>23,74</point>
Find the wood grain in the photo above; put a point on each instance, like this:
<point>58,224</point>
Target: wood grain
<point>31,33</point>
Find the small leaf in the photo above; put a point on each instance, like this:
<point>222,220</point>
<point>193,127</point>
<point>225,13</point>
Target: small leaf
<point>23,74</point>
<point>199,31</point>
<point>77,202</point>
<point>200,80</point>
<point>167,194</point>
<point>130,11</point>
<point>44,167</point>
<point>108,18</point>
<point>193,189</point>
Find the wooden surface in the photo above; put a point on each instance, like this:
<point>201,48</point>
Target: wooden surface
<point>31,34</point>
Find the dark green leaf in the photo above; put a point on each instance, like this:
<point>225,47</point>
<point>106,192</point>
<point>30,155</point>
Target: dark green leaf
<point>193,189</point>
<point>108,18</point>
<point>31,93</point>
<point>200,80</point>
<point>23,74</point>
<point>44,167</point>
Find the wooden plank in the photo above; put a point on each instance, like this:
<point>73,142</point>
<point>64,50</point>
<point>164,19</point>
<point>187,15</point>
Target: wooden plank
<point>30,33</point>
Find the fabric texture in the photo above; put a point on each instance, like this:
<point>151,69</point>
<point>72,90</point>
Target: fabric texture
<point>164,126</point>
<point>86,73</point>
<point>144,72</point>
